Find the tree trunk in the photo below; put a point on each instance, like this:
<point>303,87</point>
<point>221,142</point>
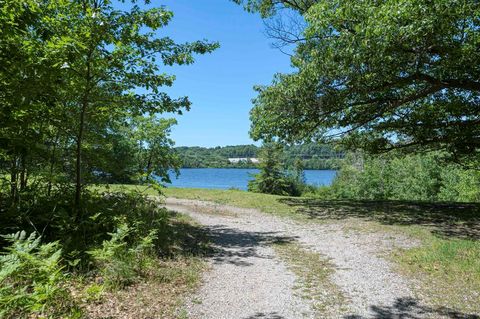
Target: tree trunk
<point>78,164</point>
<point>52,165</point>
<point>23,171</point>
<point>13,180</point>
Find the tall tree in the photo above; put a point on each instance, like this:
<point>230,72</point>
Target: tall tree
<point>111,65</point>
<point>382,74</point>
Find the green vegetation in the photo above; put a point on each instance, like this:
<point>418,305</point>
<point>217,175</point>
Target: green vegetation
<point>32,280</point>
<point>384,75</point>
<point>121,243</point>
<point>445,267</point>
<point>421,177</point>
<point>81,102</point>
<point>171,273</point>
<point>313,155</point>
<point>315,274</point>
<point>272,178</point>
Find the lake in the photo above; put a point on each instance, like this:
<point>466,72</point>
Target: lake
<point>225,178</point>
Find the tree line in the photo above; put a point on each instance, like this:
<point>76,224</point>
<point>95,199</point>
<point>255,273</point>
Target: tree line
<point>313,156</point>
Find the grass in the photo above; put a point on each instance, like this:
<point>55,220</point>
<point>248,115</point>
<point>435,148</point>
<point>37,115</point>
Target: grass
<point>266,203</point>
<point>448,270</point>
<point>314,272</point>
<point>270,204</point>
<point>157,297</point>
<point>263,202</point>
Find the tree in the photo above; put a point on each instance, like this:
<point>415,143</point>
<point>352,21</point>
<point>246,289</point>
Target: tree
<point>271,179</point>
<point>382,74</point>
<point>74,78</point>
<point>111,66</point>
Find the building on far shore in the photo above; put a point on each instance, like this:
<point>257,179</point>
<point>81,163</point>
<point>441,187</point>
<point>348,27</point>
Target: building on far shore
<point>236,160</point>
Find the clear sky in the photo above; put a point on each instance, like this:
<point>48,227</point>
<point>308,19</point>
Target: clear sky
<point>220,85</point>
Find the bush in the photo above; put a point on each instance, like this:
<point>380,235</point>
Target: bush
<point>31,280</point>
<point>396,176</point>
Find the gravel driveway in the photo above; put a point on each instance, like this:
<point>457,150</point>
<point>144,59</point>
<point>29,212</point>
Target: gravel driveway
<point>247,279</point>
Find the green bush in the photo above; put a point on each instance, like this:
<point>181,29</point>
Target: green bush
<point>31,279</point>
<point>396,176</point>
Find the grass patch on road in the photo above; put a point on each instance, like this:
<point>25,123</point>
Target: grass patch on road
<point>266,203</point>
<point>314,273</point>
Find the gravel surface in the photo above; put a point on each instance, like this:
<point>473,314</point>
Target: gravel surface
<point>247,280</point>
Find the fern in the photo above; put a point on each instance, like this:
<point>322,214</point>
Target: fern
<point>119,261</point>
<point>31,278</point>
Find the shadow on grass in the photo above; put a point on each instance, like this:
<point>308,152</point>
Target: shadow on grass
<point>410,308</point>
<point>460,220</point>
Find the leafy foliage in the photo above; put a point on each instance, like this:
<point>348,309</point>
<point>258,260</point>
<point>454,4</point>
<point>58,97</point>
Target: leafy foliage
<point>382,74</point>
<point>119,261</point>
<point>81,100</point>
<point>31,279</point>
<point>273,178</point>
<point>422,177</point>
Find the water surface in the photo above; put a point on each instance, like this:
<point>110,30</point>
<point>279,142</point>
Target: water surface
<point>225,178</point>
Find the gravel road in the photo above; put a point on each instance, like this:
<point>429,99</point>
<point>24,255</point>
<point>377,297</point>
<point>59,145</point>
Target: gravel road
<point>247,279</point>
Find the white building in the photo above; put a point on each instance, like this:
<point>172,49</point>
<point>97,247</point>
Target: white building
<point>235,160</point>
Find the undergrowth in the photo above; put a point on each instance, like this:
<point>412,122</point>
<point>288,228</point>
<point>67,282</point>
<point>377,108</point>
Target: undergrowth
<point>52,266</point>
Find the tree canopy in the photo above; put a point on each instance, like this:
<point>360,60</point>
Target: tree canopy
<point>380,74</point>
<point>81,91</point>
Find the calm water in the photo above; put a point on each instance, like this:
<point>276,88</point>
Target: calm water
<point>224,178</point>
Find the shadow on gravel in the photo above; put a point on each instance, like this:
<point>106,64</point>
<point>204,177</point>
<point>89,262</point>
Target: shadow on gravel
<point>261,315</point>
<point>234,246</point>
<point>460,220</point>
<point>183,238</point>
<point>404,308</point>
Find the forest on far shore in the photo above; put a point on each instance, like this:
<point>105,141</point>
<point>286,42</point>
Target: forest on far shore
<point>314,156</point>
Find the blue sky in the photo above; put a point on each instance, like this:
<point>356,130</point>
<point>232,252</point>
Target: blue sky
<point>220,85</point>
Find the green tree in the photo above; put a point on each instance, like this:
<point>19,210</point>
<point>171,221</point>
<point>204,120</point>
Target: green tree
<point>111,61</point>
<point>80,102</point>
<point>271,179</point>
<point>382,74</point>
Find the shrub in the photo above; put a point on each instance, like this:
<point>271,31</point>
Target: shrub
<point>272,178</point>
<point>31,279</point>
<point>396,176</point>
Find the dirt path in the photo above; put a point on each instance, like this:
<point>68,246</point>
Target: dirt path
<point>248,280</point>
